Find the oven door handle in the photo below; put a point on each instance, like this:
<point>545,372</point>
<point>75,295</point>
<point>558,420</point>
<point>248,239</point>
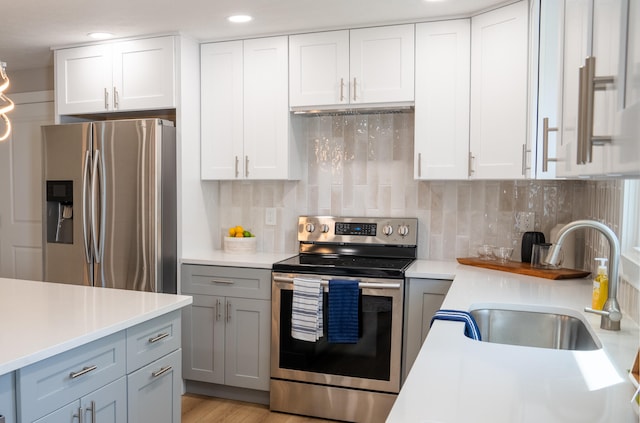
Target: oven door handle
<point>325,282</point>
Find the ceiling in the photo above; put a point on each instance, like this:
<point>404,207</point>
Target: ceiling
<point>30,28</point>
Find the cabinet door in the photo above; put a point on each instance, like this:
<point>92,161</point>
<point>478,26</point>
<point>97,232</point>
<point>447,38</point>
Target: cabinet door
<point>8,397</point>
<point>608,47</point>
<point>549,87</point>
<point>83,79</point>
<point>382,64</point>
<point>154,391</point>
<point>222,133</point>
<point>577,42</point>
<point>424,297</point>
<point>266,110</point>
<point>108,404</point>
<point>203,331</point>
<point>442,100</point>
<point>247,339</point>
<point>499,93</point>
<point>319,69</point>
<point>69,413</point>
<point>144,74</point>
<point>625,151</point>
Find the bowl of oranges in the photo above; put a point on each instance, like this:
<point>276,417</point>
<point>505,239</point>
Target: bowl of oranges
<point>239,240</point>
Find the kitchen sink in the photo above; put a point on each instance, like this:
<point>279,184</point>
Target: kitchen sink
<point>552,328</point>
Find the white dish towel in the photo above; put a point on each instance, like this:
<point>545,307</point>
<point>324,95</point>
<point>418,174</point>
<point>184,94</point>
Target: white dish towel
<point>306,315</point>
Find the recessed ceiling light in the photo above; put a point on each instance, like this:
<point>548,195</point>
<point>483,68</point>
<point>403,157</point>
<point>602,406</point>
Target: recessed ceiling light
<point>100,35</point>
<point>239,18</point>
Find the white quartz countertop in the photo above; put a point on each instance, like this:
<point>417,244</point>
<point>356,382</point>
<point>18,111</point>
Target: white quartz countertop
<point>41,319</point>
<point>220,258</point>
<point>457,380</point>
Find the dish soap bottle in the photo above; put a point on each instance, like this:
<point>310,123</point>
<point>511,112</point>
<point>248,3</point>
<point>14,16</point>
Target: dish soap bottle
<point>600,285</point>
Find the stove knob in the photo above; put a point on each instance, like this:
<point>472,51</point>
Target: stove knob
<point>324,228</point>
<point>387,230</point>
<point>310,227</point>
<point>403,230</point>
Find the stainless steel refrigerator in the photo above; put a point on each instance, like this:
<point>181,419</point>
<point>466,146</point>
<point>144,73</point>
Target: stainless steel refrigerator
<point>109,215</point>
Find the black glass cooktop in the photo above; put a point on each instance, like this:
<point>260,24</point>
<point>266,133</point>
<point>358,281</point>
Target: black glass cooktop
<point>345,265</point>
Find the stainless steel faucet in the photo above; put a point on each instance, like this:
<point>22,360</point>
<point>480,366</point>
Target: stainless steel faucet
<point>611,314</point>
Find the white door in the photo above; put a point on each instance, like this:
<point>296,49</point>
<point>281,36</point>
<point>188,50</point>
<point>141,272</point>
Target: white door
<point>21,187</point>
<point>577,42</point>
<point>83,79</point>
<point>499,93</point>
<point>442,100</point>
<point>222,133</point>
<point>143,74</point>
<point>382,64</point>
<point>266,108</point>
<point>319,69</point>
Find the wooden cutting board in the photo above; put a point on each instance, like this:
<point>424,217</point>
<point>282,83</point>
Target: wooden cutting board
<point>524,268</point>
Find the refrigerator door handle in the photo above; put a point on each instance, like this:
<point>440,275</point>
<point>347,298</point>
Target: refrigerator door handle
<point>94,230</point>
<point>85,229</point>
<point>98,234</point>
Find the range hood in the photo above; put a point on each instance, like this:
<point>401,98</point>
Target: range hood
<point>354,109</point>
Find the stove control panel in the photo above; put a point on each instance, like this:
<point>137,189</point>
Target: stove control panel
<point>360,230</point>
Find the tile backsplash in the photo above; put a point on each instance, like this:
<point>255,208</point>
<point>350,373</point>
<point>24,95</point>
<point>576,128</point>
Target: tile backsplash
<point>362,165</point>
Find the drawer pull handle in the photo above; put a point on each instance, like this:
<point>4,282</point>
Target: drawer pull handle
<point>84,371</point>
<point>157,338</point>
<point>161,371</point>
<point>222,281</point>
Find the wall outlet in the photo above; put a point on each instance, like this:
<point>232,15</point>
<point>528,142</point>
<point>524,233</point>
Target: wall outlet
<point>270,217</point>
<point>525,221</point>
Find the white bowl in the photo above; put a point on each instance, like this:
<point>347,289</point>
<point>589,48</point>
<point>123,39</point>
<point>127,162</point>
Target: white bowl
<point>240,245</point>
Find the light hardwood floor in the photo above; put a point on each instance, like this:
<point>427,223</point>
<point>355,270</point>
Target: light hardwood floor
<point>203,409</point>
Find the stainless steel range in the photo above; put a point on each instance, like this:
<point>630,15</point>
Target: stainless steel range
<point>355,381</point>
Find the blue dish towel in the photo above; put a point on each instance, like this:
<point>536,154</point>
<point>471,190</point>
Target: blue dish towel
<point>343,311</point>
<point>471,329</point>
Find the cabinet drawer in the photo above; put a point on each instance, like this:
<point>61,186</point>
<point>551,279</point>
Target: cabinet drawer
<point>43,386</point>
<point>155,391</point>
<point>227,281</point>
<point>151,340</point>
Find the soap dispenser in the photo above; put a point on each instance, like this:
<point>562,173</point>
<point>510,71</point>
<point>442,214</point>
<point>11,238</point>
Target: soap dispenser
<point>600,285</point>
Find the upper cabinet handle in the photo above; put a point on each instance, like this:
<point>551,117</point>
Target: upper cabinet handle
<point>354,89</point>
<point>545,144</point>
<point>341,89</point>
<point>106,99</point>
<point>116,99</point>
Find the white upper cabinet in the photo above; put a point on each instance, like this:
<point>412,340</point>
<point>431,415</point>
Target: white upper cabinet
<point>355,67</point>
<point>118,76</point>
<point>319,68</point>
<point>245,115</point>
<point>594,108</point>
<point>546,18</point>
<point>498,142</point>
<point>441,143</point>
<point>625,150</point>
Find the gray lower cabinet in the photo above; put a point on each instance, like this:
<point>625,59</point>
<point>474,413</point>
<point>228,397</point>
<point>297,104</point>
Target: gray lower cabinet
<point>227,329</point>
<point>105,405</point>
<point>154,391</point>
<point>8,397</point>
<point>423,297</point>
<point>133,375</point>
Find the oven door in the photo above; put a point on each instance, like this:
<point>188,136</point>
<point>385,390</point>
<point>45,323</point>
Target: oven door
<point>371,364</point>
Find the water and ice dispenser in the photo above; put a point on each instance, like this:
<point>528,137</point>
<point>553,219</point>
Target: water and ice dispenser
<point>60,212</point>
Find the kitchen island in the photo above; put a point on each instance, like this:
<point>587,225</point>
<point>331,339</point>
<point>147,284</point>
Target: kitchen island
<point>46,326</point>
<point>456,379</point>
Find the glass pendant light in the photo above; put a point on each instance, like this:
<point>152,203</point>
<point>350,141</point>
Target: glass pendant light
<point>6,105</point>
